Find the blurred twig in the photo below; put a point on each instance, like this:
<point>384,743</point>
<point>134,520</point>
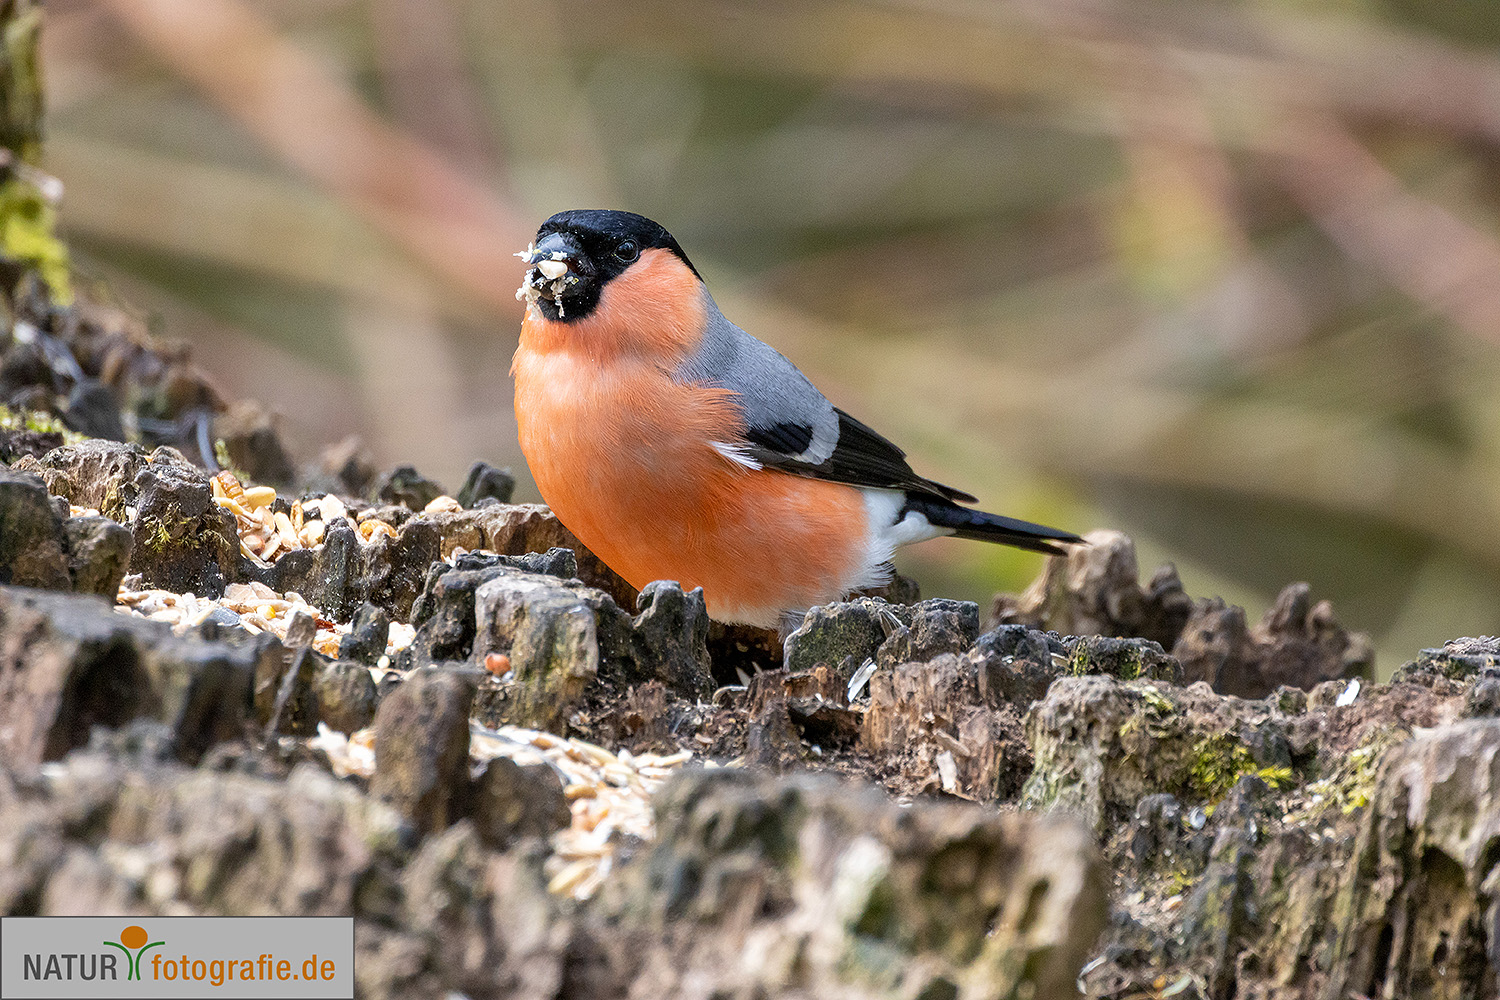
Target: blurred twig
<point>424,80</point>
<point>1422,249</point>
<point>289,101</point>
<point>234,217</point>
<point>1321,458</point>
<point>1257,96</point>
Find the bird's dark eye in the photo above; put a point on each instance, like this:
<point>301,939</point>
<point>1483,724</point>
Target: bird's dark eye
<point>627,251</point>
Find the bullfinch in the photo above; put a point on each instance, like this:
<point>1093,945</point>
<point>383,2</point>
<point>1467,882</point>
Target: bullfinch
<point>678,447</point>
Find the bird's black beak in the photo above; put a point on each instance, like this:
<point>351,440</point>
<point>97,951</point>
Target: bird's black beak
<point>560,248</point>
<point>561,272</point>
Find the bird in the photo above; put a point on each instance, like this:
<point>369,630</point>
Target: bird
<point>676,446</point>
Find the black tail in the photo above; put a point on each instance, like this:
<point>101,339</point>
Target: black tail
<point>969,523</point>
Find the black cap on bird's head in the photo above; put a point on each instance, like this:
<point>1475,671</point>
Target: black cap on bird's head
<point>576,253</point>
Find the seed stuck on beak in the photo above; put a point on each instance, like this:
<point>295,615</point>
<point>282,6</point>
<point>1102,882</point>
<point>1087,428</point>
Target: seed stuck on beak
<point>548,278</point>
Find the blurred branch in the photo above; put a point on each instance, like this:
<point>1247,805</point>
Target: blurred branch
<point>1266,61</point>
<point>291,103</point>
<point>1345,65</point>
<point>1420,248</point>
<point>419,52</point>
<point>1095,426</point>
<point>1425,251</point>
<point>523,53</point>
<point>236,218</point>
<point>1110,58</point>
<point>1338,462</point>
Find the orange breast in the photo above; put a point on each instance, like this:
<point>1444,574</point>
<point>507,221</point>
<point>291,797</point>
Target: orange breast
<point>622,454</point>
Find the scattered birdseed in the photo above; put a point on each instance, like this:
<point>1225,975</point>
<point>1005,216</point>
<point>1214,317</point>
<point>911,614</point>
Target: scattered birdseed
<point>443,505</point>
<point>258,609</point>
<point>548,277</point>
<point>265,535</point>
<point>348,755</point>
<point>609,794</point>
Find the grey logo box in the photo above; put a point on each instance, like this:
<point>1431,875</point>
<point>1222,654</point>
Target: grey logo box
<point>86,957</point>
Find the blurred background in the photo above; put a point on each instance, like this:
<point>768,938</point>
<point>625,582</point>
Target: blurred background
<point>1224,275</point>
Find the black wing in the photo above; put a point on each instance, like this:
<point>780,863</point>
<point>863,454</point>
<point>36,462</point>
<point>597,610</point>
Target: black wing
<point>792,427</point>
<point>785,438</point>
<point>861,457</point>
